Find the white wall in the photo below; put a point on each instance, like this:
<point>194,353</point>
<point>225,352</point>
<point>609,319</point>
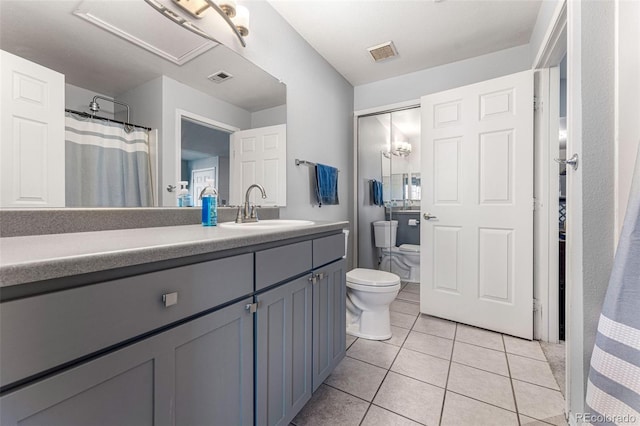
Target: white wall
<point>78,98</point>
<point>416,84</point>
<point>591,119</point>
<point>269,117</point>
<point>628,102</point>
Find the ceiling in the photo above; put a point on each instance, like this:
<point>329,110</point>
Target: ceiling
<point>426,33</point>
<point>48,33</point>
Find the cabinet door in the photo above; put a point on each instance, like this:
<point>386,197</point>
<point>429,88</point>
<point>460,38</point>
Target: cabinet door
<point>329,320</point>
<point>283,352</point>
<point>212,368</point>
<point>198,373</point>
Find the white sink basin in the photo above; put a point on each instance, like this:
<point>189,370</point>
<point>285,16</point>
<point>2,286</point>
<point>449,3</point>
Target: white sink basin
<point>268,224</point>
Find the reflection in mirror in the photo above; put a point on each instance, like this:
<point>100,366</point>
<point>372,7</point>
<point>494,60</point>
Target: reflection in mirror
<point>205,155</point>
<point>84,49</point>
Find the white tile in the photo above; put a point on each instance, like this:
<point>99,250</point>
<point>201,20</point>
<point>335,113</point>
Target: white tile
<point>528,348</point>
<point>528,421</point>
<point>429,344</point>
<point>357,378</point>
<point>423,367</point>
<point>330,406</point>
<point>405,295</point>
<point>481,385</point>
<point>373,352</point>
<point>405,307</point>
<point>538,402</point>
<point>402,320</point>
<point>532,371</point>
<point>377,416</point>
<point>412,288</point>
<point>482,358</point>
<point>462,411</point>
<point>435,326</point>
<point>398,336</point>
<point>410,398</point>
<point>479,337</point>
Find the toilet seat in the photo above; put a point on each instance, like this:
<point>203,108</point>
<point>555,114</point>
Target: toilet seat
<point>410,248</point>
<point>372,280</point>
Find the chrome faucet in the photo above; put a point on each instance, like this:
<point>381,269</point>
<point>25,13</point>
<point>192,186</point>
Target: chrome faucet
<point>245,215</point>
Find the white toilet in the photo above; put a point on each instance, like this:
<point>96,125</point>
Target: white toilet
<point>369,294</point>
<point>403,261</point>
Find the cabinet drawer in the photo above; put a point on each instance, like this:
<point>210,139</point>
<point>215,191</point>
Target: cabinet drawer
<point>327,249</point>
<point>42,332</point>
<point>277,264</point>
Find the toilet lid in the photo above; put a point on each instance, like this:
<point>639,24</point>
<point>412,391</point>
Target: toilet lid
<point>372,277</point>
<point>414,248</point>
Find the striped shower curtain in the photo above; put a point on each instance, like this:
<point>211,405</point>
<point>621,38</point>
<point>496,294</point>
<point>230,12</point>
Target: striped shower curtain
<point>613,390</point>
<point>106,164</point>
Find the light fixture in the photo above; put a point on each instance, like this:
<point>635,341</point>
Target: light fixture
<point>401,148</point>
<point>198,9</point>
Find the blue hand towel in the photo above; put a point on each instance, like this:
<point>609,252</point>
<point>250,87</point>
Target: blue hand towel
<point>377,193</point>
<point>326,184</point>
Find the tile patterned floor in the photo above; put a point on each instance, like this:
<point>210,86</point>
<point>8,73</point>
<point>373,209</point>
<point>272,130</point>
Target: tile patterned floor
<point>436,372</point>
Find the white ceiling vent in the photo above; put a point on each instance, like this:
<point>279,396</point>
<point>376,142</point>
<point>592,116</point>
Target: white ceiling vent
<point>220,76</point>
<point>383,51</point>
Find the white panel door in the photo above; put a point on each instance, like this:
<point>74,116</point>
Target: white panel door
<point>31,134</point>
<point>477,159</point>
<point>259,156</point>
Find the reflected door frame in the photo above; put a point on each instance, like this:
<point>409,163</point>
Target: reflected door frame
<point>180,114</point>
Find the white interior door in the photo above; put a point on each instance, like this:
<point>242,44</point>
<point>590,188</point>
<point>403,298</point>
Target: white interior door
<point>477,159</point>
<point>32,134</point>
<point>259,156</point>
<point>199,182</point>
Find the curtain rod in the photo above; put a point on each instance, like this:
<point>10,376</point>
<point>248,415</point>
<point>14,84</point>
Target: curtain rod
<point>309,163</point>
<point>85,114</point>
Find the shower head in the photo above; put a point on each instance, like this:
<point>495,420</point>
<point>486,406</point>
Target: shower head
<point>94,106</point>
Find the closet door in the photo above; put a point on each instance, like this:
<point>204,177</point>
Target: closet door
<point>32,152</point>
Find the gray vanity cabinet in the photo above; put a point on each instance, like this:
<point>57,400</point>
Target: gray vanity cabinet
<point>283,351</point>
<point>329,320</point>
<point>188,375</point>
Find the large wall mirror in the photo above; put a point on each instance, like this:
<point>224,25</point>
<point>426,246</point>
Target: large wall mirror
<point>197,98</point>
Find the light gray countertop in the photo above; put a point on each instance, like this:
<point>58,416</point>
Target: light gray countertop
<point>43,257</point>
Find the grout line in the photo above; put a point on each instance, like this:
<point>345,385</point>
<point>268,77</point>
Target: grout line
<point>398,414</point>
<point>446,383</point>
<point>348,393</point>
<point>536,384</point>
<point>513,390</point>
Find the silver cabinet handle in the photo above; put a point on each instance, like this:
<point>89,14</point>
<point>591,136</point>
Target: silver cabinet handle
<point>573,161</point>
<point>170,299</point>
<point>429,216</point>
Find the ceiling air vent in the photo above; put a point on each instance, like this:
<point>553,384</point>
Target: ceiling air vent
<point>220,76</point>
<point>383,51</point>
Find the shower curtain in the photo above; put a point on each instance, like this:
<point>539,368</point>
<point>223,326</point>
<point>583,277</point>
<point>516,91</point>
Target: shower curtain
<point>613,390</point>
<point>106,165</point>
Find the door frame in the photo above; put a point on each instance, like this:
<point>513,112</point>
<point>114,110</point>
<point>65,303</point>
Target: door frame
<point>356,115</point>
<point>180,114</point>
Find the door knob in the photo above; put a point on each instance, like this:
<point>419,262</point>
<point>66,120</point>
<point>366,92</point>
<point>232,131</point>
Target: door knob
<point>573,161</point>
<point>429,216</point>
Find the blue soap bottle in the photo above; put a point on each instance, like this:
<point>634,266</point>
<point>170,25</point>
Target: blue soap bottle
<point>184,197</point>
<point>209,197</point>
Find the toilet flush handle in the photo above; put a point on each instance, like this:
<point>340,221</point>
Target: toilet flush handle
<point>429,216</point>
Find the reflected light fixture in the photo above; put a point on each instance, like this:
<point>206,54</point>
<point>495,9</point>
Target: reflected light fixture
<point>401,148</point>
<point>237,17</point>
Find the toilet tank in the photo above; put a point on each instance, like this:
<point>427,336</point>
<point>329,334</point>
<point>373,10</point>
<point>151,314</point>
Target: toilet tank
<point>385,233</point>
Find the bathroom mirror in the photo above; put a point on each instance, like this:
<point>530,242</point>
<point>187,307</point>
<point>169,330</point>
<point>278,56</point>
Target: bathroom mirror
<point>90,43</point>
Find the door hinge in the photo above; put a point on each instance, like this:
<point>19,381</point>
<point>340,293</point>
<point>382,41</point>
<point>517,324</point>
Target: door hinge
<point>252,307</point>
<point>537,103</point>
<point>533,204</point>
<point>536,306</point>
